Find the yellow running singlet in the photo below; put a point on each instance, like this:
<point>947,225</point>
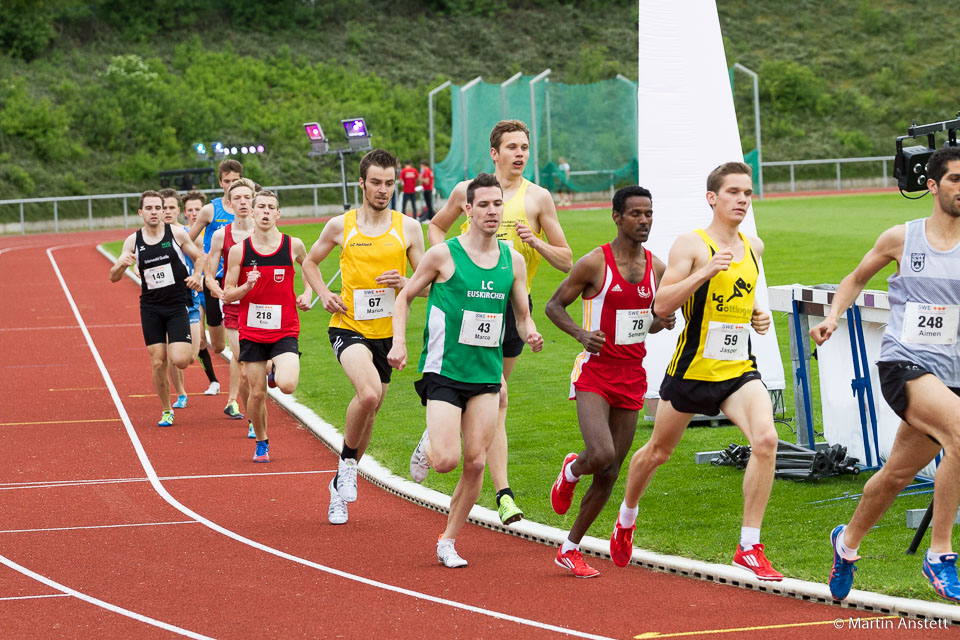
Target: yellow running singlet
<point>715,342</point>
<point>362,259</point>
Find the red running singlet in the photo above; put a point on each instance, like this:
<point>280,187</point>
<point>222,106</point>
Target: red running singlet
<point>269,311</point>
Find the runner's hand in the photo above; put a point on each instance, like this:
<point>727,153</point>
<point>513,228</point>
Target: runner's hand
<point>669,322</point>
<point>332,303</point>
<point>391,278</point>
<point>593,341</point>
<point>822,332</point>
<point>760,321</point>
<point>252,276</point>
<point>719,262</point>
<point>526,235</point>
<point>127,259</point>
<point>535,340</point>
<point>214,288</point>
<point>193,282</point>
<point>303,302</point>
<point>398,355</point>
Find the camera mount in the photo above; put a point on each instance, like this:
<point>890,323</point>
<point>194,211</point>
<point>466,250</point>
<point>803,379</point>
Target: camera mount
<point>910,163</point>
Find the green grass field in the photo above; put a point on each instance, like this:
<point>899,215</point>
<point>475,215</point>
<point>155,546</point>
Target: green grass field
<point>690,510</point>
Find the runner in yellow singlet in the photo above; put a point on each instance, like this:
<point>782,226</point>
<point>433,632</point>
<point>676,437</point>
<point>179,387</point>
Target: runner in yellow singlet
<point>376,243</point>
<point>530,222</point>
<point>712,276</point>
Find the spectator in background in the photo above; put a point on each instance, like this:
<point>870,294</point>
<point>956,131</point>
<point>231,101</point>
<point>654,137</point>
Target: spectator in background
<point>563,190</point>
<point>409,178</point>
<point>426,181</point>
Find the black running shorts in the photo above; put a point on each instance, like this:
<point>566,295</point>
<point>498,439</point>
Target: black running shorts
<point>433,386</point>
<point>165,324</point>
<point>697,396</point>
<point>340,339</point>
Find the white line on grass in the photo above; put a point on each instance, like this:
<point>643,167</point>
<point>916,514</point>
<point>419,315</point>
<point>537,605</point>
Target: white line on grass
<point>162,491</point>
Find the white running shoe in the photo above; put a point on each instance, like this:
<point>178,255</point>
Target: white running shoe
<point>347,482</point>
<point>447,554</point>
<point>337,512</point>
<point>419,467</point>
<point>213,389</point>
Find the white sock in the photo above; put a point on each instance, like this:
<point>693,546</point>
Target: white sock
<point>933,557</point>
<point>846,552</point>
<point>749,536</point>
<point>628,516</point>
<point>568,473</point>
<point>568,546</point>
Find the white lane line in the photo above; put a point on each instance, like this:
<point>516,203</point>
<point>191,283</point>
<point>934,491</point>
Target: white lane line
<point>48,595</point>
<point>100,603</point>
<point>162,491</point>
<point>44,484</point>
<point>69,326</point>
<point>100,526</point>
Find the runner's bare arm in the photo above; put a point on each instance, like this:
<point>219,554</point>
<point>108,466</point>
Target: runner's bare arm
<point>212,263</point>
<point>204,218</point>
<point>330,237</point>
<point>526,327</point>
<point>393,278</point>
<point>426,272</point>
<point>581,281</point>
<point>194,280</point>
<point>688,267</point>
<point>231,292</point>
<point>300,254</point>
<point>555,249</point>
<point>888,248</point>
<point>669,321</point>
<point>448,214</point>
<point>126,259</point>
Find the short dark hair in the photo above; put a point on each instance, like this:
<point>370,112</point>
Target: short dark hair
<point>149,193</point>
<point>229,165</point>
<point>169,193</point>
<point>507,126</point>
<point>937,164</point>
<point>715,179</point>
<point>377,158</point>
<point>620,197</point>
<point>482,180</point>
<point>265,193</point>
<point>193,195</point>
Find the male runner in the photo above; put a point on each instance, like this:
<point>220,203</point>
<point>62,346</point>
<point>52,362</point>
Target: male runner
<point>214,216</point>
<point>193,202</point>
<point>919,373</point>
<point>462,360</point>
<point>240,196</point>
<point>157,249</point>
<point>260,275</point>
<point>530,222</point>
<point>712,274</point>
<point>375,244</point>
<point>617,282</point>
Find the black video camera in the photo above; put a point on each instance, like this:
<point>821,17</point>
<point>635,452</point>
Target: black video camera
<point>910,164</point>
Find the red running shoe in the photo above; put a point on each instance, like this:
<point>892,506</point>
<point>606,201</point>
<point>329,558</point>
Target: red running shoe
<point>621,544</point>
<point>561,495</point>
<point>756,562</point>
<point>573,561</point>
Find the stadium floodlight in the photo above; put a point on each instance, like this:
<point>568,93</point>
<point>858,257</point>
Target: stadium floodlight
<point>910,163</point>
<point>219,150</point>
<point>357,133</point>
<point>318,142</point>
<point>201,150</point>
<point>259,148</point>
<point>234,151</point>
<point>243,150</point>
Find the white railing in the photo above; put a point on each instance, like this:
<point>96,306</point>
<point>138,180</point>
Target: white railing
<point>834,161</point>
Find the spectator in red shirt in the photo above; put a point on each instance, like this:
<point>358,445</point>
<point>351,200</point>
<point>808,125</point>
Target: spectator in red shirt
<point>409,177</point>
<point>426,181</point>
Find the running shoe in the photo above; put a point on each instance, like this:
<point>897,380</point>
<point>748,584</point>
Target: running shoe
<point>233,411</point>
<point>166,419</point>
<point>263,452</point>
<point>621,544</point>
<point>419,467</point>
<point>561,495</point>
<point>181,402</point>
<point>271,381</point>
<point>347,479</point>
<point>213,389</point>
<point>943,576</point>
<point>447,554</point>
<point>841,574</point>
<point>508,510</point>
<point>756,563</point>
<point>251,432</point>
<point>573,561</point>
<point>337,511</point>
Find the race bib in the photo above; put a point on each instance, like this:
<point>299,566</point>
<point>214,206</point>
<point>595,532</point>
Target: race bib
<point>633,325</point>
<point>481,329</point>
<point>930,323</point>
<point>727,341</point>
<point>263,316</point>
<point>158,277</point>
<point>370,304</point>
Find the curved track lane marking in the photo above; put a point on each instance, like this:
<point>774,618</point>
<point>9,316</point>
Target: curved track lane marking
<point>101,526</point>
<point>100,603</point>
<point>707,632</point>
<point>163,493</point>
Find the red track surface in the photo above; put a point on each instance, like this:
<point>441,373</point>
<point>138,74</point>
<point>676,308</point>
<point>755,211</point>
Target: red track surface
<point>186,574</point>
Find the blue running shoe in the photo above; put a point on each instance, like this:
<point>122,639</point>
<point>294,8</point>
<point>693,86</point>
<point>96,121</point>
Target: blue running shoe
<point>181,402</point>
<point>841,574</point>
<point>250,432</point>
<point>263,452</point>
<point>271,377</point>
<point>943,576</point>
<point>166,419</point>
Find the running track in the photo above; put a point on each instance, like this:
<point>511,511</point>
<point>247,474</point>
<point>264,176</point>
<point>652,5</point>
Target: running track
<point>111,527</point>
